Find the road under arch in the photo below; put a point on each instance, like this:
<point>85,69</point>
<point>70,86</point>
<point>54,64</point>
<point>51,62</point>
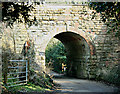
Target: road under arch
<point>78,53</point>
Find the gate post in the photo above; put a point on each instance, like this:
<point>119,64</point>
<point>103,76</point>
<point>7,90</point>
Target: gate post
<point>28,67</point>
<point>5,70</point>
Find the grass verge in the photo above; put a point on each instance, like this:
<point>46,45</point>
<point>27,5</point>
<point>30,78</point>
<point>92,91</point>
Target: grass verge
<point>29,87</point>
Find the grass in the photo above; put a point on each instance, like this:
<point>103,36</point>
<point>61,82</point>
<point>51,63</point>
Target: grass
<point>24,88</point>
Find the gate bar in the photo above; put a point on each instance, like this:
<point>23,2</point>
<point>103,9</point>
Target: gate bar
<point>17,77</point>
<point>17,60</point>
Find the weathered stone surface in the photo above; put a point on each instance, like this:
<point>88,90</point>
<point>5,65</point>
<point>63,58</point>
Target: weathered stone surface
<point>54,20</point>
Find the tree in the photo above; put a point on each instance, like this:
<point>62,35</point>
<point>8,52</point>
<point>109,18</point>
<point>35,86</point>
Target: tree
<point>56,54</point>
<point>110,12</point>
<point>17,11</point>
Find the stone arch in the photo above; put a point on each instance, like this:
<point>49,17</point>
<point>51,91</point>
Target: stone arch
<point>82,33</point>
<point>78,52</point>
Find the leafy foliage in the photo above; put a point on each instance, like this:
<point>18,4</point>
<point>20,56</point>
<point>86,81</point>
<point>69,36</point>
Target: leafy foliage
<point>110,12</point>
<point>14,11</point>
<point>55,54</point>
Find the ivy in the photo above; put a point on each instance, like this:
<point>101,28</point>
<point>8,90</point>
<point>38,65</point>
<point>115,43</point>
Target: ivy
<point>110,13</point>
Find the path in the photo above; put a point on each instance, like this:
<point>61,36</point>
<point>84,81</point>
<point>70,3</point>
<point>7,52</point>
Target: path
<point>79,85</point>
<point>67,85</point>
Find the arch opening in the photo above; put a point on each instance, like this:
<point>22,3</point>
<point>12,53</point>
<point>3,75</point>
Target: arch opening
<point>77,53</point>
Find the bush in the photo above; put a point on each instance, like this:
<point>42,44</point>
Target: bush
<point>55,55</point>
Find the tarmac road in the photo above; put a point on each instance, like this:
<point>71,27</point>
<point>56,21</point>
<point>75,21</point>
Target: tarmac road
<point>79,85</point>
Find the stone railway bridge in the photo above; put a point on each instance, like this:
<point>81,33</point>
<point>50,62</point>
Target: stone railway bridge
<point>92,52</point>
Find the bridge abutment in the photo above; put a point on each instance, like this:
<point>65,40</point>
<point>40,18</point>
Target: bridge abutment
<point>92,51</point>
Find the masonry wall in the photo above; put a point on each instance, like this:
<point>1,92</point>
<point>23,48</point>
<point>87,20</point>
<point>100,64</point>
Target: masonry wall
<point>54,19</point>
<point>0,58</point>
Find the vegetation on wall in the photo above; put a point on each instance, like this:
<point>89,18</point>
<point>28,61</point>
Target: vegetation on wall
<point>38,82</point>
<point>110,13</point>
<point>55,55</point>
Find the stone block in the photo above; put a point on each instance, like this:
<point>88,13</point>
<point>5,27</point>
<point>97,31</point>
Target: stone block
<point>45,22</point>
<point>52,23</point>
<point>46,18</point>
<point>53,18</point>
<point>0,50</point>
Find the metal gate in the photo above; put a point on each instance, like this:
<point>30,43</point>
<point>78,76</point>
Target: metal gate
<point>17,73</point>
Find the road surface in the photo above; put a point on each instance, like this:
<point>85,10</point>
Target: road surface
<point>79,85</point>
<point>67,85</point>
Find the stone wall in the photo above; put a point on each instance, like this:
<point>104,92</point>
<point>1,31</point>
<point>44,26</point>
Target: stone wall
<point>0,59</point>
<point>53,19</point>
<point>0,48</point>
<point>78,19</point>
<point>107,52</point>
